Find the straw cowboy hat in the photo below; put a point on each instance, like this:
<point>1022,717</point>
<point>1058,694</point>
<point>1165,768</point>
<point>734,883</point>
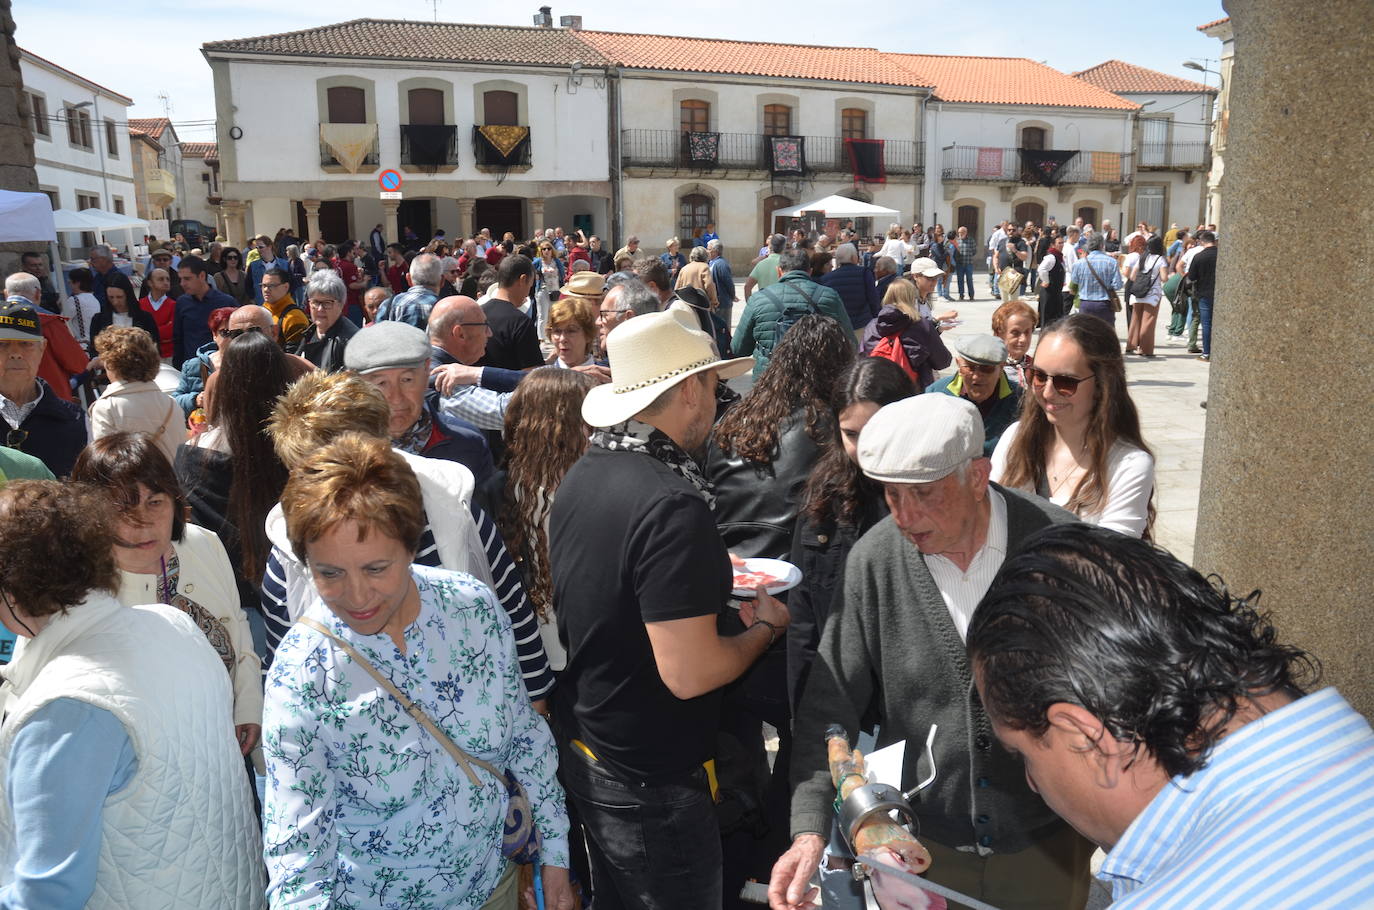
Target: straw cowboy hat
<point>586,284</point>
<point>649,355</point>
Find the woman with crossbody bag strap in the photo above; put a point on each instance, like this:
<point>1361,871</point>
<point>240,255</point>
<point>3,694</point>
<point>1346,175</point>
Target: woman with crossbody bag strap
<point>404,760</point>
<point>1145,283</point>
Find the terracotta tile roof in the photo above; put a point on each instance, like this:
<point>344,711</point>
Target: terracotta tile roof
<point>46,62</point>
<point>1214,23</point>
<point>207,150</point>
<point>448,41</point>
<point>1005,80</point>
<point>152,127</point>
<point>750,58</point>
<point>1127,78</point>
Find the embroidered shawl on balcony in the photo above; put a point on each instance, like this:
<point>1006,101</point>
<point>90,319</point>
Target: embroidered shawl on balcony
<point>350,143</point>
<point>1043,166</point>
<point>787,156</point>
<point>866,160</point>
<point>989,163</point>
<point>703,149</point>
<point>1106,167</point>
<point>504,139</point>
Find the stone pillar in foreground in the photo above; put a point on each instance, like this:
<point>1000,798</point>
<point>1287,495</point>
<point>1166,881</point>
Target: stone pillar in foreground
<point>391,221</point>
<point>466,210</point>
<point>312,219</point>
<point>1287,501</point>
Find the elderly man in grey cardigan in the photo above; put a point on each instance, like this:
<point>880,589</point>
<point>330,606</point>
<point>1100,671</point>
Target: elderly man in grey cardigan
<point>892,656</point>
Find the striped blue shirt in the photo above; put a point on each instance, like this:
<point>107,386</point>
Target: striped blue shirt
<point>1281,816</point>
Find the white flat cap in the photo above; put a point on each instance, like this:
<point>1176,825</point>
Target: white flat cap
<point>920,439</point>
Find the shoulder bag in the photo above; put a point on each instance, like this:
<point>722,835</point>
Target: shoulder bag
<point>1112,296</point>
<point>520,842</point>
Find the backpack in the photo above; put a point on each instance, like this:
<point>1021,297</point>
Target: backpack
<point>1144,281</point>
<point>281,321</point>
<point>793,312</point>
<point>891,348</point>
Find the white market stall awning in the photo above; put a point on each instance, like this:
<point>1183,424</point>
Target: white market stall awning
<point>96,220</point>
<point>838,207</point>
<point>26,218</point>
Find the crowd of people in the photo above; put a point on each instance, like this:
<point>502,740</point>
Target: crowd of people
<point>456,522</point>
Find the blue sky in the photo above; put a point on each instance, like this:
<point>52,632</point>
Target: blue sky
<point>153,47</point>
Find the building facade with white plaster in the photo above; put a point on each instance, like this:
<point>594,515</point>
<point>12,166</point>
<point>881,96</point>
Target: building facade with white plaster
<point>81,145</point>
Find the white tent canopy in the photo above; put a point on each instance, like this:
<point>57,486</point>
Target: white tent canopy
<point>95,221</point>
<point>26,218</point>
<point>838,207</point>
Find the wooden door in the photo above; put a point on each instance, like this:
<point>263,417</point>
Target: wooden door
<point>1033,212</point>
<point>347,104</point>
<point>426,106</point>
<point>501,215</point>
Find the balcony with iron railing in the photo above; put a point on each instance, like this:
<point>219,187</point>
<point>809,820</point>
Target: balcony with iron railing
<point>990,164</point>
<point>669,149</point>
<point>359,137</point>
<point>1174,155</point>
<point>431,148</point>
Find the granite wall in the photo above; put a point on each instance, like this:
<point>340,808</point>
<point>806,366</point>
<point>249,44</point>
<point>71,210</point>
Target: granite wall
<point>1287,496</point>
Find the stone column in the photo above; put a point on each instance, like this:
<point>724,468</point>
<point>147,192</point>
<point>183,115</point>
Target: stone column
<point>536,207</point>
<point>466,210</point>
<point>312,219</point>
<point>234,229</point>
<point>390,223</point>
<point>1286,500</point>
<point>16,136</point>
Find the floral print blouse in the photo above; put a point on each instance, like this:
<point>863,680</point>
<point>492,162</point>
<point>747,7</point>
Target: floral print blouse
<point>364,808</point>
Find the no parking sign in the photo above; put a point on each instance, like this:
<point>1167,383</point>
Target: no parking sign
<point>390,182</point>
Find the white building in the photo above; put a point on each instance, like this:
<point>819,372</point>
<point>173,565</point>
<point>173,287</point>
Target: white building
<point>658,136</point>
<point>1221,30</point>
<point>495,127</point>
<point>200,176</point>
<point>1172,145</point>
<point>158,168</point>
<point>80,145</point>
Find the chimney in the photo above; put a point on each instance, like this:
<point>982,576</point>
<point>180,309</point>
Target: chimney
<point>572,23</point>
<point>544,18</point>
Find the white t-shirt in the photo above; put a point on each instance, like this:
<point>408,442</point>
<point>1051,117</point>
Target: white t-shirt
<point>1154,264</point>
<point>79,321</point>
<point>1130,483</point>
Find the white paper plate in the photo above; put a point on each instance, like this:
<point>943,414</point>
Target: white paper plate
<point>788,575</point>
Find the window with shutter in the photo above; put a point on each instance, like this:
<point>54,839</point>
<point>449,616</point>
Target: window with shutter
<point>347,104</point>
<point>426,106</point>
<point>777,120</point>
<point>500,108</point>
<point>694,116</point>
<point>853,123</point>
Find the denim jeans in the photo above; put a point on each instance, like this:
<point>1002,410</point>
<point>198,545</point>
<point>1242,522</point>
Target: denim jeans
<point>655,847</point>
<point>1099,308</point>
<point>1204,309</point>
<point>942,285</point>
<point>965,276</point>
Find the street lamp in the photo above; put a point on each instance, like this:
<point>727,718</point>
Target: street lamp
<point>96,129</point>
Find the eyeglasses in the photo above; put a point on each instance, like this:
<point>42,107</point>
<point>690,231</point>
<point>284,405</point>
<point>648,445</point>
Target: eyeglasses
<point>1064,385</point>
<point>485,325</point>
<point>603,315</point>
<point>982,368</point>
<point>323,303</point>
<point>234,333</point>
<point>15,438</point>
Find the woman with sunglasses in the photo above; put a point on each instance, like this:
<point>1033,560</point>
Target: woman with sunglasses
<point>233,278</point>
<point>1078,441</point>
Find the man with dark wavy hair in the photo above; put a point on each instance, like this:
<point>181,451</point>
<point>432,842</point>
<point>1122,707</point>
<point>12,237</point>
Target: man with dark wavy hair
<point>1161,717</point>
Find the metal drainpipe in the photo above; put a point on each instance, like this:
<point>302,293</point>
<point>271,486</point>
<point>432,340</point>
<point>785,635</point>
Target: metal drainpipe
<point>618,185</point>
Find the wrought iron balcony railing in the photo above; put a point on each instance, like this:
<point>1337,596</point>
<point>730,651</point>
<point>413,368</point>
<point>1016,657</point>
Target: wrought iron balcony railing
<point>990,164</point>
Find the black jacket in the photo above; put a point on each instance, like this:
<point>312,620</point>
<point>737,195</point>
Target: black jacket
<point>756,504</point>
<point>105,318</point>
<point>55,432</point>
<point>820,551</point>
<point>327,353</point>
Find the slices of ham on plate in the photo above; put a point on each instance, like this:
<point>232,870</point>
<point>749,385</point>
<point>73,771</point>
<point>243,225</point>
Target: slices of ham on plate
<point>774,575</point>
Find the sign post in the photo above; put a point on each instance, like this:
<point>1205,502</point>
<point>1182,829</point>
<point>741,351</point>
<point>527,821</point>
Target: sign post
<point>390,182</point>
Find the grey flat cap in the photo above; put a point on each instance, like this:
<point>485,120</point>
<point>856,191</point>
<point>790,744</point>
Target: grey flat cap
<point>920,439</point>
<point>387,346</point>
<point>985,349</point>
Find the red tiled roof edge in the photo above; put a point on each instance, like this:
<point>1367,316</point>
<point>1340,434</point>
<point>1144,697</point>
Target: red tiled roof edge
<point>1120,77</point>
<point>77,75</point>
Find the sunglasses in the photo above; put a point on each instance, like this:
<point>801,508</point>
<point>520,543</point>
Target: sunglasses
<point>234,333</point>
<point>1064,385</point>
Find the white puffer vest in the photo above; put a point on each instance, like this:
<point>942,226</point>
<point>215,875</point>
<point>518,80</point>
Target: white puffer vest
<point>181,834</point>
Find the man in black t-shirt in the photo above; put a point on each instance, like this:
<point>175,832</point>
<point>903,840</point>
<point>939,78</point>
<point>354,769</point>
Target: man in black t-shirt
<point>514,342</point>
<point>1202,272</point>
<point>640,576</point>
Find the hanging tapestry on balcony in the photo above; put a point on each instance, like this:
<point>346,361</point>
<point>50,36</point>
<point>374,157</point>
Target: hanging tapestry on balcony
<point>1044,166</point>
<point>349,143</point>
<point>430,146</point>
<point>989,163</point>
<point>703,149</point>
<point>866,160</point>
<point>1106,167</point>
<point>787,156</point>
<point>501,147</point>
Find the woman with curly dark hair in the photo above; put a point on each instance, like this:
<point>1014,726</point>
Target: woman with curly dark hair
<point>231,475</point>
<point>757,460</point>
<point>1078,441</point>
<point>840,503</point>
<point>545,435</point>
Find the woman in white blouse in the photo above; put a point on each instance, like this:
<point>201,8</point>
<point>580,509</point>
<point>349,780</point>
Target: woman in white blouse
<point>163,559</point>
<point>1078,441</point>
<point>133,402</point>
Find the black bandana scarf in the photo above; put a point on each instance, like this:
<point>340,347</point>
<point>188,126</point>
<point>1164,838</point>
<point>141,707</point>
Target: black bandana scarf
<point>665,450</point>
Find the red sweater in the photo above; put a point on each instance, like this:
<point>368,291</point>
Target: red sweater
<point>163,318</point>
<point>62,357</point>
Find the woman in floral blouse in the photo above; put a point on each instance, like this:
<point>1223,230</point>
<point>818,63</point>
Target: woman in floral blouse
<point>365,809</point>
